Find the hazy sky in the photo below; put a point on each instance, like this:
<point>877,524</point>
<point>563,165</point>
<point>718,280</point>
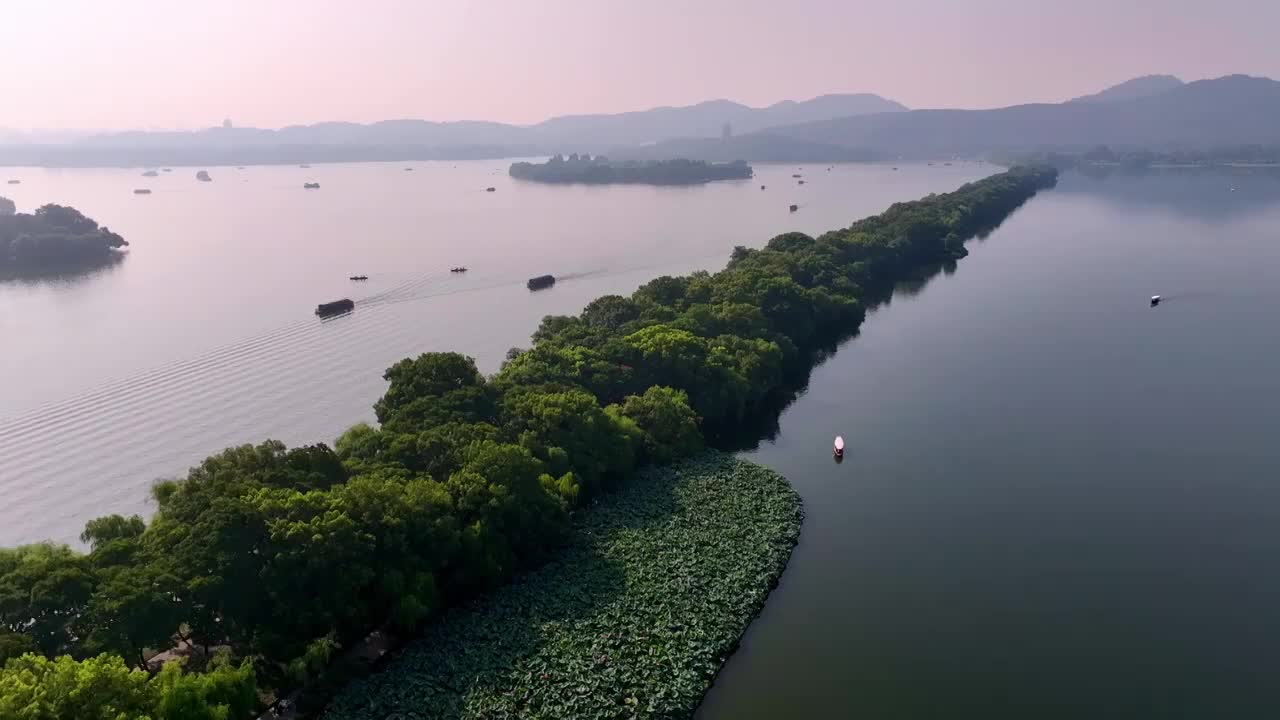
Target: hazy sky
<point>180,63</point>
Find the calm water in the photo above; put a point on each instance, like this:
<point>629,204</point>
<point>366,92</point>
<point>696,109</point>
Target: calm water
<point>1057,501</point>
<point>204,337</point>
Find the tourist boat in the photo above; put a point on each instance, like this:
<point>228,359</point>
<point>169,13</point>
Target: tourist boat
<point>541,282</point>
<point>795,208</point>
<point>1155,300</point>
<point>838,448</point>
<point>337,307</point>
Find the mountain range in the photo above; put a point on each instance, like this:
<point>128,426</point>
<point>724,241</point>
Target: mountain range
<point>1154,112</point>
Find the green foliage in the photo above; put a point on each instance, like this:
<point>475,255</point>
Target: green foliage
<point>632,619</point>
<point>668,426</point>
<point>53,238</point>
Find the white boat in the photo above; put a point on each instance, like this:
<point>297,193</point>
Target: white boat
<point>838,448</point>
<point>1155,300</point>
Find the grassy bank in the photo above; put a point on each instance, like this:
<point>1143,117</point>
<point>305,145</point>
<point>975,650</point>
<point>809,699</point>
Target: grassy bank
<point>633,620</point>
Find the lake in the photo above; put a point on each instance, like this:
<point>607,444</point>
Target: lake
<point>205,337</point>
<point>1056,501</point>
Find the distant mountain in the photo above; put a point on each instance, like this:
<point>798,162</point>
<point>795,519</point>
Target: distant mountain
<point>423,139</point>
<point>706,119</point>
<point>1232,110</point>
<point>1138,87</point>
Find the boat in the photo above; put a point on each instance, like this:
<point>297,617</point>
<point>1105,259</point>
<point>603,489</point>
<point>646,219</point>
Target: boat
<point>457,270</point>
<point>541,282</point>
<point>795,175</point>
<point>799,182</point>
<point>166,170</point>
<point>1155,300</point>
<point>142,191</point>
<point>761,187</point>
<point>203,176</point>
<point>337,307</point>
<point>408,169</point>
<point>311,186</point>
<point>358,277</point>
<point>838,448</point>
<point>150,173</point>
<point>304,166</point>
<point>15,182</point>
<point>795,208</point>
<point>491,189</point>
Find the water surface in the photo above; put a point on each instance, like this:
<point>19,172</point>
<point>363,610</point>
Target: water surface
<point>1057,501</point>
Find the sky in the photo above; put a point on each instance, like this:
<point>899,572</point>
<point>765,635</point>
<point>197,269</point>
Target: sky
<point>144,64</point>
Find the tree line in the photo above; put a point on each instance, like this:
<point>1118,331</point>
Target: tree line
<point>264,561</point>
<point>600,170</point>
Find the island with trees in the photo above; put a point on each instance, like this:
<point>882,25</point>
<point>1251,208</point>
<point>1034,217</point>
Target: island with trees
<point>527,527</point>
<point>599,170</point>
<point>53,239</point>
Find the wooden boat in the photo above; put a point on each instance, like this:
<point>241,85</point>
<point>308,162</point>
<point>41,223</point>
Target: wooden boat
<point>358,277</point>
<point>337,307</point>
<point>491,189</point>
<point>541,282</point>
<point>795,208</point>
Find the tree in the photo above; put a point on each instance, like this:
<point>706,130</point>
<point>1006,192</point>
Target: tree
<point>669,425</point>
<point>98,688</point>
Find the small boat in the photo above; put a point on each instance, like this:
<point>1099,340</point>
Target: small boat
<point>408,169</point>
<point>150,173</point>
<point>491,189</point>
<point>761,187</point>
<point>15,182</point>
<point>304,166</point>
<point>799,182</point>
<point>541,282</point>
<point>838,448</point>
<point>795,208</point>
<point>310,186</point>
<point>337,307</point>
<point>457,270</point>
<point>166,170</point>
<point>142,191</point>
<point>358,277</point>
<point>1155,300</point>
<point>203,176</point>
<point>895,168</point>
<point>795,175</point>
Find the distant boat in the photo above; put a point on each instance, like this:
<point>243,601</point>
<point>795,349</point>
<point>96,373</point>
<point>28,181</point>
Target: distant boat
<point>895,168</point>
<point>795,208</point>
<point>541,282</point>
<point>142,191</point>
<point>457,270</point>
<point>166,170</point>
<point>203,176</point>
<point>311,186</point>
<point>761,187</point>
<point>337,307</point>
<point>358,277</point>
<point>239,167</point>
<point>799,182</point>
<point>1155,300</point>
<point>795,175</point>
<point>491,189</point>
<point>304,165</point>
<point>408,169</point>
<point>150,173</point>
<point>15,182</point>
<point>838,448</point>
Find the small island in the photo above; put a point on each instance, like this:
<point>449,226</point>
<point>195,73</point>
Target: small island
<point>600,170</point>
<point>311,186</point>
<point>53,239</point>
<point>203,176</point>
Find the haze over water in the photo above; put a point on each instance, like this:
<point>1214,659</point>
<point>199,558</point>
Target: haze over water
<point>204,337</point>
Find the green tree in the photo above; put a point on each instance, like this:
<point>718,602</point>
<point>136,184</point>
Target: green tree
<point>669,425</point>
